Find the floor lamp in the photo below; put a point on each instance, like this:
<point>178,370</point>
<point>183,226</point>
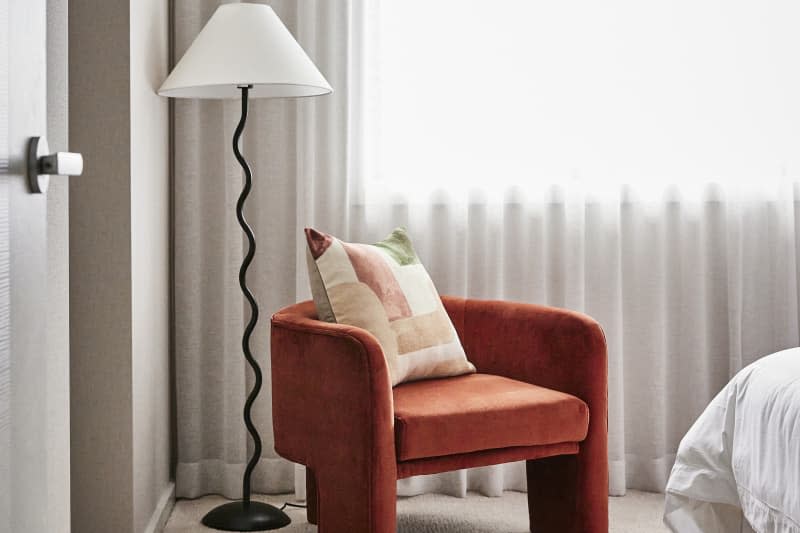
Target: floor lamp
<point>245,51</point>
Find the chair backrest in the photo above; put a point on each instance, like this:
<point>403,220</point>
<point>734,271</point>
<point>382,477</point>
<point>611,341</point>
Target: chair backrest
<point>455,307</point>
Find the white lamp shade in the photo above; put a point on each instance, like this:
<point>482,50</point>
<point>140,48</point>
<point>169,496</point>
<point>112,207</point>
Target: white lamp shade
<point>244,44</point>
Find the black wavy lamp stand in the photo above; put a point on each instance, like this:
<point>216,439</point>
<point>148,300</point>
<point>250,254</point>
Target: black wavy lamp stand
<point>245,514</point>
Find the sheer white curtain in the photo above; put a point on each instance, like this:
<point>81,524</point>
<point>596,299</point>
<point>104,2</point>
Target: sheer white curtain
<point>630,160</point>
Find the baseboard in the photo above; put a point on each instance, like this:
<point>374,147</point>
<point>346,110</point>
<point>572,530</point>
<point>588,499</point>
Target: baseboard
<point>162,511</point>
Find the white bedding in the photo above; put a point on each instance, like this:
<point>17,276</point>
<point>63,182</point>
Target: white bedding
<point>738,467</point>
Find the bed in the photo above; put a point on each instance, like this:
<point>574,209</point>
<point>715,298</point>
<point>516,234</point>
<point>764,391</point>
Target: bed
<point>738,468</point>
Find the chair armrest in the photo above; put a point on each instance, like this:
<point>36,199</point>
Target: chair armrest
<point>547,346</point>
<point>331,393</point>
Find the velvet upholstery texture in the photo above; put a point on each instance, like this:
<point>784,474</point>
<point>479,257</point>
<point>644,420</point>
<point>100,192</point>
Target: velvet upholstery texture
<point>482,412</point>
<point>334,411</point>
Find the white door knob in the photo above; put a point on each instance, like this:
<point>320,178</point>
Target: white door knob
<point>42,165</point>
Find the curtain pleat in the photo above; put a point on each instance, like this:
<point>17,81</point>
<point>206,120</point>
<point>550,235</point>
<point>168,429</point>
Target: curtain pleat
<point>689,283</point>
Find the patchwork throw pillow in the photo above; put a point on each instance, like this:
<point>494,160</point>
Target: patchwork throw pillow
<point>384,289</point>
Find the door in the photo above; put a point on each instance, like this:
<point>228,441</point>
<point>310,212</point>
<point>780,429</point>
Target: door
<point>34,394</point>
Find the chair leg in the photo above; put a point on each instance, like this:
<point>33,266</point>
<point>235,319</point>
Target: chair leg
<point>552,494</point>
<point>352,502</point>
<point>312,497</point>
<point>569,493</point>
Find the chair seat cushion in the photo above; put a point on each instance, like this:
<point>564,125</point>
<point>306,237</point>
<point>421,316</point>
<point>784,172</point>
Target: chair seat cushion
<point>480,412</point>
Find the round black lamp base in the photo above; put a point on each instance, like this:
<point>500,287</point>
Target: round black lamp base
<point>246,516</point>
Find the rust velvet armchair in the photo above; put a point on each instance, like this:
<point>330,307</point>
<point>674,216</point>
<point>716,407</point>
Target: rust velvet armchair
<point>540,395</point>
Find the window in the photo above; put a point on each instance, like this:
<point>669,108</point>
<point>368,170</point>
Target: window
<point>516,92</point>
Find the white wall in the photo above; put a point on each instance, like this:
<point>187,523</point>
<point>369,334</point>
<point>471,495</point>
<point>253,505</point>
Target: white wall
<point>150,257</point>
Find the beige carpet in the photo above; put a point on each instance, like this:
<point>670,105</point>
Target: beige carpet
<point>638,512</point>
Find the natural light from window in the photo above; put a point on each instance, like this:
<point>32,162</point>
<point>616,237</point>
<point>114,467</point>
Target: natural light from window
<point>483,94</point>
